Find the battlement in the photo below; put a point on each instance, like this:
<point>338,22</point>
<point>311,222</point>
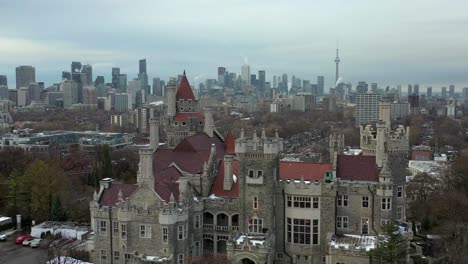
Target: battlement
<point>396,141</point>
<point>259,145</point>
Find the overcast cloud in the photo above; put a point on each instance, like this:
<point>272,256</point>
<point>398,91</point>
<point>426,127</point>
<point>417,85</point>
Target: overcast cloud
<point>389,42</point>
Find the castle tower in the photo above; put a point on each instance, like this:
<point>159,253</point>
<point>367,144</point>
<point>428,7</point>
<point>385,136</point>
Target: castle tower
<point>381,147</point>
<point>384,113</point>
<point>154,133</point>
<point>145,171</point>
<point>209,124</point>
<point>335,146</point>
<point>171,98</point>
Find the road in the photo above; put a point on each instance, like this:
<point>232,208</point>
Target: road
<point>11,253</point>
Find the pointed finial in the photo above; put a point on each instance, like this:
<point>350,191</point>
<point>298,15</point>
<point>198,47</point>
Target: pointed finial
<point>263,133</point>
<point>171,198</point>
<point>276,133</point>
<point>255,134</point>
<point>120,196</point>
<point>242,133</point>
<point>95,196</point>
<point>184,72</point>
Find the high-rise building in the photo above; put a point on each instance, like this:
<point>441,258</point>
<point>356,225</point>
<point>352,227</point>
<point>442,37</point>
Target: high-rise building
<point>34,92</point>
<point>275,84</point>
<point>133,87</point>
<point>122,82</point>
<point>24,76</point>
<point>416,89</point>
<point>261,81</point>
<point>66,75</point>
<point>413,101</point>
<point>99,80</point>
<point>367,108</point>
<point>429,92</point>
<point>142,66</point>
<point>123,102</point>
<point>4,95</point>
<point>70,91</point>
<point>320,85</point>
<point>374,87</point>
<point>23,96</point>
<point>75,66</point>
<point>157,87</point>
<point>143,77</point>
<point>89,95</point>
<point>465,95</point>
<point>245,73</point>
<point>221,74</point>
<point>452,91</point>
<point>87,75</point>
<point>444,92</point>
<point>362,87</point>
<point>410,89</point>
<point>115,77</point>
<point>3,80</point>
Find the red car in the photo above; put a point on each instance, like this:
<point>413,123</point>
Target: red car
<point>21,239</point>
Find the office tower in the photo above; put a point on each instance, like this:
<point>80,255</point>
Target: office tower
<point>413,101</point>
<point>337,61</point>
<point>367,108</point>
<point>70,91</point>
<point>261,80</point>
<point>253,80</point>
<point>34,92</point>
<point>410,89</point>
<point>306,87</point>
<point>429,92</point>
<point>3,80</point>
<point>66,75</point>
<point>143,77</point>
<point>362,87</point>
<point>122,102</point>
<point>87,74</point>
<point>4,95</point>
<point>314,90</point>
<point>452,91</point>
<point>99,80</point>
<point>245,73</point>
<point>374,87</point>
<point>444,92</point>
<point>320,85</point>
<point>89,95</point>
<point>133,87</point>
<point>284,84</point>
<point>221,73</point>
<point>122,82</point>
<point>142,66</point>
<point>399,109</point>
<point>416,89</point>
<point>115,77</point>
<point>465,94</point>
<point>23,96</point>
<point>275,84</point>
<point>24,76</point>
<point>13,96</point>
<point>75,66</point>
<point>101,90</point>
<point>157,87</point>
<point>52,97</point>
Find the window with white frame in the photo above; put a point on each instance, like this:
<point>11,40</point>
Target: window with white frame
<point>298,231</point>
<point>257,225</point>
<point>399,212</point>
<point>116,256</point>
<point>165,235</point>
<point>103,256</point>
<point>197,248</point>
<point>127,258</point>
<point>145,231</point>
<point>182,232</point>
<point>116,228</point>
<point>315,232</point>
<point>181,259</point>
<point>259,173</point>
<point>384,222</point>
<point>251,173</point>
<point>103,228</point>
<point>123,231</point>
<point>342,200</point>
<point>400,191</point>
<point>255,202</point>
<point>315,202</point>
<point>342,222</point>
<point>387,203</point>
<point>197,221</point>
<point>365,201</point>
<point>299,201</point>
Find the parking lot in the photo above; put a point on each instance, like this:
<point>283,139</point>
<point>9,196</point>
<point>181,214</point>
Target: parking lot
<point>11,253</point>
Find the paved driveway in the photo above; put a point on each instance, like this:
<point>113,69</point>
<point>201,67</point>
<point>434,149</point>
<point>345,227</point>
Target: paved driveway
<point>11,253</point>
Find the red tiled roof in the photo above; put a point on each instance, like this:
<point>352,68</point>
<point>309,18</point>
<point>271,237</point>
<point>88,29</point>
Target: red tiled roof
<point>303,170</point>
<point>184,91</point>
<point>189,155</point>
<point>110,196</point>
<point>218,185</point>
<point>183,117</point>
<point>357,168</point>
<point>421,155</point>
<point>230,143</point>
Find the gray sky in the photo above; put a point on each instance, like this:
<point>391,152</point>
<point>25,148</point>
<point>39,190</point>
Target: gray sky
<point>389,42</point>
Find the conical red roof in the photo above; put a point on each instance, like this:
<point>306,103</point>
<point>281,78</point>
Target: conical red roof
<point>184,91</point>
<point>230,144</point>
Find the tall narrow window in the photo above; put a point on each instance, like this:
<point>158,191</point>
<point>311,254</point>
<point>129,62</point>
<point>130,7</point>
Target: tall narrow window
<point>399,212</point>
<point>165,235</point>
<point>116,228</point>
<point>103,228</point>
<point>386,203</point>
<point>123,231</point>
<point>257,224</point>
<point>315,202</point>
<point>145,231</point>
<point>315,232</point>
<point>365,201</point>
<point>196,221</point>
<point>400,191</point>
<point>103,256</point>
<point>255,202</point>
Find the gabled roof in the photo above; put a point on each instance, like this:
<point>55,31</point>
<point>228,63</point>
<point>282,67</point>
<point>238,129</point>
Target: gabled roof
<point>184,91</point>
<point>218,185</point>
<point>230,144</point>
<point>183,117</point>
<point>110,196</point>
<point>357,168</point>
<point>166,182</point>
<point>303,170</point>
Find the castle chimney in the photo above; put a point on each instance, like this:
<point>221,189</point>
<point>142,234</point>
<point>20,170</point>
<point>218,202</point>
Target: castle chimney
<point>276,133</point>
<point>209,124</point>
<point>242,133</point>
<point>171,97</point>
<point>154,133</point>
<point>255,135</point>
<point>381,148</point>
<point>228,172</point>
<point>263,133</point>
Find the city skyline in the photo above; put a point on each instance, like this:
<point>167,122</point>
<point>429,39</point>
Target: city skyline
<point>205,35</point>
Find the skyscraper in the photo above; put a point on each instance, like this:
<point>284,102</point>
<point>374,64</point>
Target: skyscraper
<point>452,91</point>
<point>221,73</point>
<point>275,84</point>
<point>465,94</point>
<point>157,87</point>
<point>75,66</point>
<point>115,77</point>
<point>34,92</point>
<point>429,92</point>
<point>367,108</point>
<point>284,83</point>
<point>320,85</point>
<point>99,80</point>
<point>416,89</point>
<point>142,68</point>
<point>66,75</point>
<point>374,87</point>
<point>444,92</point>
<point>337,61</point>
<point>87,74</point>
<point>3,80</point>
<point>70,93</point>
<point>410,89</point>
<point>261,81</point>
<point>362,87</point>
<point>122,82</point>
<point>25,75</point>
<point>245,73</point>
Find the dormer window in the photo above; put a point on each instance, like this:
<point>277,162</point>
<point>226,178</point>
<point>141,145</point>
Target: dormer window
<point>184,124</point>
<point>181,109</point>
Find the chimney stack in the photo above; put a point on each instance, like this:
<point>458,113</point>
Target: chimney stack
<point>228,172</point>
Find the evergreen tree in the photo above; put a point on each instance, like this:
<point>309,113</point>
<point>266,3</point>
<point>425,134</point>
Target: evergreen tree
<point>391,248</point>
<point>58,214</point>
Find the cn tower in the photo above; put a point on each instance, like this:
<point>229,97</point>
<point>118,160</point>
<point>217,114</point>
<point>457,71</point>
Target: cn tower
<point>337,61</point>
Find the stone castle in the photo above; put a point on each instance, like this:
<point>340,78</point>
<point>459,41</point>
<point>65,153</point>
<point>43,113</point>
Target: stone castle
<point>204,196</point>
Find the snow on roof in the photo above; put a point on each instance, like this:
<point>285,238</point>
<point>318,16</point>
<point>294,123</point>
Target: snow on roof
<point>347,241</point>
<point>234,178</point>
<point>256,240</point>
<point>66,260</point>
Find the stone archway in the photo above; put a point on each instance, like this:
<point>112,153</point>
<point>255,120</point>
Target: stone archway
<point>247,261</point>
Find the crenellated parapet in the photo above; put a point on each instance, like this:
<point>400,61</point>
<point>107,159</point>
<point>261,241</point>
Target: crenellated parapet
<point>259,146</point>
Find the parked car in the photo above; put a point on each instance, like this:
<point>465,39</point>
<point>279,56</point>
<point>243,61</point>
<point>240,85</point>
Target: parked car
<point>35,243</point>
<point>3,237</point>
<point>21,239</point>
<point>27,241</point>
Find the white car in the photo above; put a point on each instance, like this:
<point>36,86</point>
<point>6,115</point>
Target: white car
<point>35,243</point>
<point>28,241</point>
<point>3,237</point>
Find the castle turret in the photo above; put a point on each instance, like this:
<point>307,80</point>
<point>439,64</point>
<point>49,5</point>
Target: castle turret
<point>154,133</point>
<point>171,97</point>
<point>145,173</point>
<point>381,147</point>
<point>209,124</point>
<point>228,172</point>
